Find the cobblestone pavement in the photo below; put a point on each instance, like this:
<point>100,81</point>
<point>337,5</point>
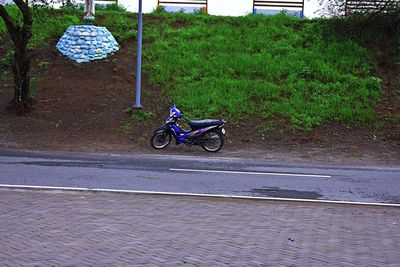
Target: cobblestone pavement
<point>39,228</point>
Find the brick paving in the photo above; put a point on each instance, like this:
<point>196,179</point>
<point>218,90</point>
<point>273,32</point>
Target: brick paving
<point>39,228</point>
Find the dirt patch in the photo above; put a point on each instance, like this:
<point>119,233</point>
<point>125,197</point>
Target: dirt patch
<point>80,107</point>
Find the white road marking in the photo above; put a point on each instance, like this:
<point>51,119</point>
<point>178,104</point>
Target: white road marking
<point>317,201</point>
<point>254,173</point>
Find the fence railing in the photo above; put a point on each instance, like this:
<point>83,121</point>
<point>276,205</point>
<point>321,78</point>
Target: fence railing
<point>368,6</point>
<point>99,2</point>
<point>293,7</point>
<point>184,5</point>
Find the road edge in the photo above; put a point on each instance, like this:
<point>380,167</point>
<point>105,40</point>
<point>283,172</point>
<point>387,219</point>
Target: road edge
<point>233,197</point>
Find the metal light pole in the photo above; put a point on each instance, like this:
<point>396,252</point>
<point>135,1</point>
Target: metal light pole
<point>139,58</point>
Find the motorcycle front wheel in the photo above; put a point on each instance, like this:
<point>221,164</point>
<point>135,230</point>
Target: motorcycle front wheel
<point>213,141</point>
<point>160,140</point>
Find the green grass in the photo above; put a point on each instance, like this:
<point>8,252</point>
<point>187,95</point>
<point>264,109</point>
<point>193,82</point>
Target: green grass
<point>355,154</point>
<point>284,70</point>
<point>122,27</point>
<point>126,128</point>
<point>6,60</point>
<point>141,115</point>
<point>47,25</point>
<point>273,67</point>
<point>396,81</point>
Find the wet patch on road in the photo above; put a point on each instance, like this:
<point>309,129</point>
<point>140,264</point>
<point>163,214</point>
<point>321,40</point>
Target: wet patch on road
<point>388,198</point>
<point>148,177</point>
<point>73,164</point>
<point>283,193</point>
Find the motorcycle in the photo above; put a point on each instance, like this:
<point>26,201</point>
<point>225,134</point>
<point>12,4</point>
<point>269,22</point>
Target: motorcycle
<point>209,133</point>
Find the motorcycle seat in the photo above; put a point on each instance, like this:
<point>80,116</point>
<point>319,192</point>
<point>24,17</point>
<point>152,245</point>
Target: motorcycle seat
<point>204,123</point>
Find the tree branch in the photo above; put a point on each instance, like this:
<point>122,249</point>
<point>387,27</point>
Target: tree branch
<point>379,11</point>
<point>27,18</point>
<point>12,28</point>
<point>396,15</point>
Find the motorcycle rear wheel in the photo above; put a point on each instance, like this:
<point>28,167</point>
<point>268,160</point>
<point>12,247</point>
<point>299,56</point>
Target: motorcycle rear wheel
<point>213,141</point>
<point>160,140</point>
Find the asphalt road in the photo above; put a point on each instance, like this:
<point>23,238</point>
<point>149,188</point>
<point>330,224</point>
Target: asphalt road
<point>184,174</point>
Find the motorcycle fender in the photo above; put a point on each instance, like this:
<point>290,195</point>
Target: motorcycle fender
<point>166,128</point>
<point>220,128</point>
<point>208,128</point>
<point>163,128</point>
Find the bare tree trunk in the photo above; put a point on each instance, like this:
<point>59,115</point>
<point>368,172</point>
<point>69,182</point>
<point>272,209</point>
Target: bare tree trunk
<point>21,63</point>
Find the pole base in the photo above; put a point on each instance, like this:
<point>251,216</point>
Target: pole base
<point>137,106</point>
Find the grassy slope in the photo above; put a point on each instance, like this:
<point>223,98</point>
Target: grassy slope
<point>272,67</point>
<point>277,68</point>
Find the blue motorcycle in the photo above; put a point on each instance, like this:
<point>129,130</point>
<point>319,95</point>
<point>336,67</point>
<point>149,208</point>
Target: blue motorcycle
<point>209,134</point>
